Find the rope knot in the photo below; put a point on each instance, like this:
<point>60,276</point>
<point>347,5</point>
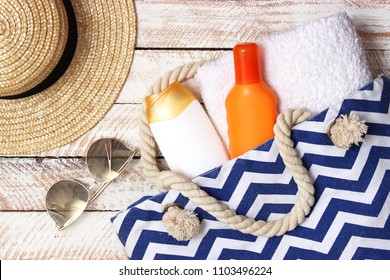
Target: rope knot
<point>347,130</point>
<point>165,179</point>
<point>180,223</point>
<point>183,224</point>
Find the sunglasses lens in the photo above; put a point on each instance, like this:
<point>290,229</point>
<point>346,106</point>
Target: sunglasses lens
<point>107,158</point>
<point>65,201</point>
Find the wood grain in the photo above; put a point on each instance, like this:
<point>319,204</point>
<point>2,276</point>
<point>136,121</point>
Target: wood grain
<point>379,62</point>
<point>24,183</point>
<point>122,120</point>
<point>221,24</point>
<point>33,236</point>
<point>149,65</point>
<point>170,33</point>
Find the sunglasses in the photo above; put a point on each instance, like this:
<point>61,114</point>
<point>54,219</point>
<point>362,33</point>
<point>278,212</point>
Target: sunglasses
<point>67,199</point>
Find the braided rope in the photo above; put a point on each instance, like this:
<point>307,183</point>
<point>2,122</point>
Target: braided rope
<point>165,180</point>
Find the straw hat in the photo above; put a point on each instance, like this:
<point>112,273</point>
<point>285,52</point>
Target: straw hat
<point>62,66</point>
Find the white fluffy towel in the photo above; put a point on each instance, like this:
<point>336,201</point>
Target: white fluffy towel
<point>312,66</point>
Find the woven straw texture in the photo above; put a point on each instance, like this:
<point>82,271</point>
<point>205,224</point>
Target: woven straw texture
<point>32,38</point>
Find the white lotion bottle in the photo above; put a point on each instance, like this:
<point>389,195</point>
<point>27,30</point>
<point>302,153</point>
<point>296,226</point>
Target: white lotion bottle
<point>183,131</point>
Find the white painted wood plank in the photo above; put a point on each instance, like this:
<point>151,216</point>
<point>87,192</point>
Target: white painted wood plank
<point>149,65</point>
<point>379,62</point>
<point>33,236</point>
<point>221,24</point>
<point>122,120</point>
<point>161,24</point>
<point>24,183</point>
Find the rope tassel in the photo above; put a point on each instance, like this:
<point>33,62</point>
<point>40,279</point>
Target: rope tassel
<point>180,223</point>
<point>183,225</point>
<point>347,130</point>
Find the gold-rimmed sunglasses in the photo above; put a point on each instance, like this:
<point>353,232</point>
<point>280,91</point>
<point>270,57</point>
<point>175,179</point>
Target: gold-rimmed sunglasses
<point>67,199</point>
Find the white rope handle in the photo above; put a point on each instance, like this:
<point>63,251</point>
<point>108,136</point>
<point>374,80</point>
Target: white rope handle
<point>165,180</point>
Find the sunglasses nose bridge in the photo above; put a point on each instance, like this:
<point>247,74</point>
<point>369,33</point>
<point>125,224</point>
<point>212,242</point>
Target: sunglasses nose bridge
<point>105,185</point>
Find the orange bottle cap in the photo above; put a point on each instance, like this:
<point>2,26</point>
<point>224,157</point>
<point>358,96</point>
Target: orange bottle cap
<point>247,63</point>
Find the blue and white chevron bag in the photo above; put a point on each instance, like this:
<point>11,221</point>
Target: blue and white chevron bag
<point>349,220</point>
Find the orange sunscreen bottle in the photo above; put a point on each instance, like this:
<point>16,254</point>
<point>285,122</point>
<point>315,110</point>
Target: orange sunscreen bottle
<point>251,105</point>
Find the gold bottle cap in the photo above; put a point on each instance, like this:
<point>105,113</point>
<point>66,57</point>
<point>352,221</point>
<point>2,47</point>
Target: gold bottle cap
<point>168,104</point>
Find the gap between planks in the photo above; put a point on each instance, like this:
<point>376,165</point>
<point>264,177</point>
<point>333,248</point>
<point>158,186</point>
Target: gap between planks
<point>122,120</point>
<point>24,183</point>
<point>221,24</point>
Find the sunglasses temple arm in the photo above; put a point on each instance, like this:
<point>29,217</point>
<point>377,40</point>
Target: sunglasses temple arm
<point>92,186</point>
<point>105,185</point>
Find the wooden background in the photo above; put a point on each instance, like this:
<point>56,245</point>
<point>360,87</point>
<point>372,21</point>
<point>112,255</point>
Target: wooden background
<point>170,33</point>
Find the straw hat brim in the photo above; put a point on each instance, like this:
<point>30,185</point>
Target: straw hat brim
<point>86,91</point>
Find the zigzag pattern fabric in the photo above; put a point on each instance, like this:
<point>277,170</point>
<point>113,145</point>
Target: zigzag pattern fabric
<point>350,219</point>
